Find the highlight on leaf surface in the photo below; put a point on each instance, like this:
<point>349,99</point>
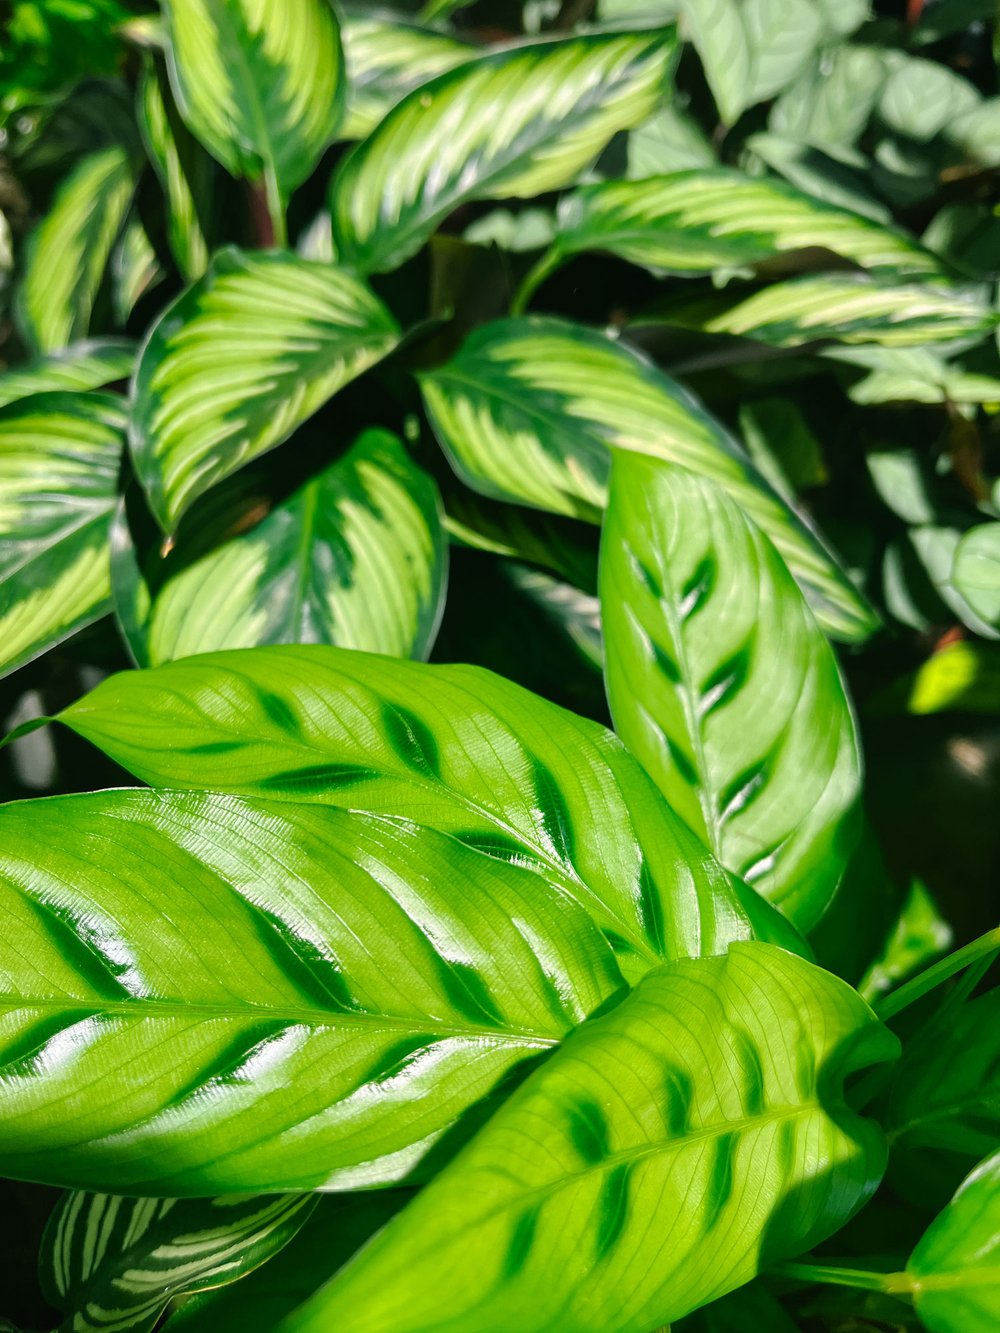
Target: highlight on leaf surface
<point>92,363</point>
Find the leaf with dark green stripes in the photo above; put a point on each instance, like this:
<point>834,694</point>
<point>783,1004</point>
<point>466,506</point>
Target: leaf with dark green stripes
<point>355,557</point>
<point>259,82</point>
<point>196,997</point>
<point>70,248</point>
<point>510,124</point>
<point>457,749</point>
<point>90,364</point>
<point>59,461</point>
<point>528,410</point>
<point>664,1155</point>
<point>111,1265</point>
<point>725,688</point>
<point>387,58</point>
<point>238,361</point>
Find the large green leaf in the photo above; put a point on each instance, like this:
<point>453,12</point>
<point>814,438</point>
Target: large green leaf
<point>954,1272</point>
<point>356,557</point>
<point>528,410</point>
<point>259,82</point>
<point>514,123</point>
<point>70,248</point>
<point>453,747</point>
<point>238,361</point>
<point>59,461</point>
<point>112,1264</point>
<point>85,365</point>
<point>724,686</point>
<point>976,570</point>
<point>665,1154</point>
<point>198,997</point>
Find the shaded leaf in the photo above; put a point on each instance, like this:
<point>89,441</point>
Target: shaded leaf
<point>976,570</point>
<point>84,365</point>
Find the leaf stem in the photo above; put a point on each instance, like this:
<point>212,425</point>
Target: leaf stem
<point>535,276</point>
<point>862,1278</point>
<point>980,949</point>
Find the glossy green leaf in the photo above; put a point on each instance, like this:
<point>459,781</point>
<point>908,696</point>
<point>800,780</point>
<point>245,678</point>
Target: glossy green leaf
<point>725,688</point>
<point>259,82</point>
<point>511,124</point>
<point>528,410</point>
<point>387,58</point>
<point>59,461</point>
<point>847,308</point>
<point>112,1264</point>
<point>238,361</point>
<point>697,221</point>
<point>196,997</point>
<point>457,749</point>
<point>70,249</point>
<point>655,1163</point>
<point>356,557</point>
<point>976,570</point>
<point>85,365</point>
<point>954,1272</point>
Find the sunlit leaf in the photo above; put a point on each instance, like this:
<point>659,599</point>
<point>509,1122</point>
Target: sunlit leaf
<point>91,364</point>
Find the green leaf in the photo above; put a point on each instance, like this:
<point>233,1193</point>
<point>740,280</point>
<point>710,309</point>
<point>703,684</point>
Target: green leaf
<point>954,1271</point>
<point>962,677</point>
<point>85,365</point>
<point>387,58</point>
<point>197,997</point>
<point>698,221</point>
<point>70,248</point>
<point>724,687</point>
<point>59,460</point>
<point>514,123</point>
<point>529,409</point>
<point>238,361</point>
<point>830,105</point>
<point>783,446</point>
<point>657,1161</point>
<point>114,1263</point>
<point>976,570</point>
<point>259,82</point>
<point>914,375</point>
<point>455,747</point>
<point>835,175</point>
<point>668,141</point>
<point>356,557</point>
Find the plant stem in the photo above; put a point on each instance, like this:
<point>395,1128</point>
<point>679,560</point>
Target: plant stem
<point>864,1278</point>
<point>548,263</point>
<point>982,948</point>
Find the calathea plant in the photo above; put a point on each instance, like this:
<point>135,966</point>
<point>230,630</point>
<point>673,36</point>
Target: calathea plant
<point>639,357</point>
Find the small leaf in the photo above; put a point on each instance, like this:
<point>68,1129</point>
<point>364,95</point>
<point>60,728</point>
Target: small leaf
<point>84,365</point>
<point>59,461</point>
<point>656,1162</point>
<point>976,570</point>
<point>114,1263</point>
<point>238,361</point>
<point>511,124</point>
<point>724,687</point>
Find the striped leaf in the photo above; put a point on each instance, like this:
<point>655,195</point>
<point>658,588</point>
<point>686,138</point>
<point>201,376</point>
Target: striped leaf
<point>725,688</point>
<point>259,82</point>
<point>454,747</point>
<point>70,248</point>
<point>59,460</point>
<point>663,1156</point>
<point>698,221</point>
<point>356,557</point>
<point>196,998</point>
<point>844,307</point>
<point>529,408</point>
<point>90,364</point>
<point>511,124</point>
<point>387,58</point>
<point>111,1265</point>
<point>238,361</point>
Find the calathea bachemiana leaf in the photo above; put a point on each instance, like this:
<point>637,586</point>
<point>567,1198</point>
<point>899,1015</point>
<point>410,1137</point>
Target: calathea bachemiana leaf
<point>59,461</point>
<point>112,1264</point>
<point>259,82</point>
<point>529,409</point>
<point>238,361</point>
<point>511,124</point>
<point>456,748</point>
<point>355,557</point>
<point>387,58</point>
<point>644,1170</point>
<point>724,686</point>
<point>70,248</point>
<point>90,364</point>
<point>196,998</point>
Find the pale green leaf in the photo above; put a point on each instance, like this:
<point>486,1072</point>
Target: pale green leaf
<point>90,364</point>
<point>135,269</point>
<point>831,103</point>
<point>669,141</point>
<point>976,570</point>
<point>913,374</point>
<point>836,176</point>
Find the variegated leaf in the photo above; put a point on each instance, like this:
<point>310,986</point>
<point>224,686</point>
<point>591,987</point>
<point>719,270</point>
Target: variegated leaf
<point>90,364</point>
